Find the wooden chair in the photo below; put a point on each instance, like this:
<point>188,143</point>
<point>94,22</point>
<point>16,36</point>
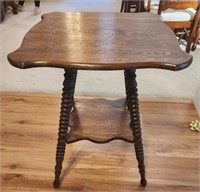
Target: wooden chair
<point>178,15</point>
<point>4,7</point>
<point>196,40</point>
<point>133,6</point>
<point>194,34</point>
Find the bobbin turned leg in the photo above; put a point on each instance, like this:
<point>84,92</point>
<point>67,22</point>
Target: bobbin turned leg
<point>133,107</point>
<point>66,107</point>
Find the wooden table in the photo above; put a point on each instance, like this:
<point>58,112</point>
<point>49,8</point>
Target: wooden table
<point>100,41</point>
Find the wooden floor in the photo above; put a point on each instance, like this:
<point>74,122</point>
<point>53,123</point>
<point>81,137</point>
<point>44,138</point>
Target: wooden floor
<point>29,133</point>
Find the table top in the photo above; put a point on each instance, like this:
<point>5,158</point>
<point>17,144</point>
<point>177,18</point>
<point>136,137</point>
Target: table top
<point>100,41</point>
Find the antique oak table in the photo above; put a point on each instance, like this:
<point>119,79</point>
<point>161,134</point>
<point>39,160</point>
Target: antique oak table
<point>100,41</point>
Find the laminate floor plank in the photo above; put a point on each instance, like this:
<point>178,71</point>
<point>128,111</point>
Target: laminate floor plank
<point>29,125</point>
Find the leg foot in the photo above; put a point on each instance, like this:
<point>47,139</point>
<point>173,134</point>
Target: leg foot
<point>143,182</point>
<point>56,184</point>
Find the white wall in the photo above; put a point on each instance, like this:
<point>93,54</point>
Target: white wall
<point>197,99</point>
<point>154,83</point>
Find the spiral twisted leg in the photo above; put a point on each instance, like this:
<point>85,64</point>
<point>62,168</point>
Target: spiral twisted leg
<point>126,88</point>
<point>133,107</point>
<point>67,102</point>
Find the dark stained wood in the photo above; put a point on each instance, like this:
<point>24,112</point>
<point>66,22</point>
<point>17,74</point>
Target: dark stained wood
<point>5,6</point>
<point>196,39</point>
<point>100,41</point>
<point>135,124</point>
<point>103,132</point>
<point>28,139</point>
<point>66,107</point>
<point>194,33</point>
<point>135,6</point>
<point>110,123</point>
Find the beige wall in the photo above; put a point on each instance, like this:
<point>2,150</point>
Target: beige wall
<point>152,83</point>
<point>197,99</point>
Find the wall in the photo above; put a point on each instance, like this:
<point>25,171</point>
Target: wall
<point>152,83</point>
<point>197,99</point>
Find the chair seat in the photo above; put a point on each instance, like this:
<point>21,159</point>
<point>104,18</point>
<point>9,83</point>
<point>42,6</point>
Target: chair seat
<point>178,15</point>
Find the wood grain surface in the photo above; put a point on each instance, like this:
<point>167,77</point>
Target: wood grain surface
<point>100,41</point>
<point>29,126</point>
<point>100,120</point>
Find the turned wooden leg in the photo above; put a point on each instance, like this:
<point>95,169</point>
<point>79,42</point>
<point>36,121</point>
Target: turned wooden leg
<point>66,107</point>
<point>126,88</point>
<point>133,107</point>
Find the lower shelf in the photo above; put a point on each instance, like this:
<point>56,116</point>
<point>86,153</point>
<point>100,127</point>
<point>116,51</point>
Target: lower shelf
<point>99,121</point>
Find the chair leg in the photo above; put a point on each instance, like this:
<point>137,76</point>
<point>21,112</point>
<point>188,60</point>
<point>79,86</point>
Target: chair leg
<point>189,43</point>
<point>14,7</point>
<point>194,46</point>
<point>133,107</point>
<point>125,6</point>
<point>3,7</point>
<point>122,6</point>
